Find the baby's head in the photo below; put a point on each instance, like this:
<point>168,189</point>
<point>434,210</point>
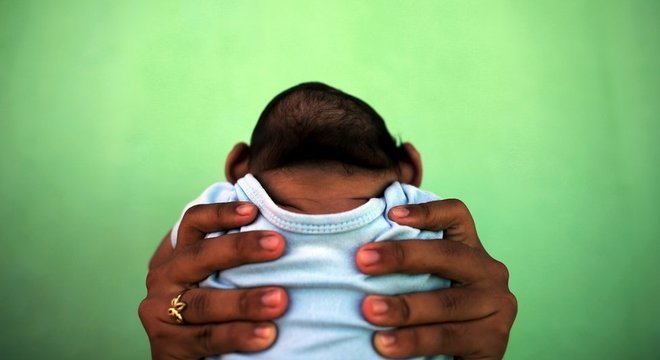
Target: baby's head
<point>315,125</point>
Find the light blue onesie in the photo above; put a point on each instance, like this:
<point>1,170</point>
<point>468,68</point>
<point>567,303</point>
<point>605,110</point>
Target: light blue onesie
<point>318,270</point>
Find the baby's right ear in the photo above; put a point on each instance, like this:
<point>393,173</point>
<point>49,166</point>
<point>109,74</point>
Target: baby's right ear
<point>410,166</point>
<point>238,162</point>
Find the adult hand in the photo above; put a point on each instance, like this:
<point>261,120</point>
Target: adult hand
<point>215,321</point>
<point>471,320</point>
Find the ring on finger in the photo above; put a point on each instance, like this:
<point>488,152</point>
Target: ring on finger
<point>176,308</point>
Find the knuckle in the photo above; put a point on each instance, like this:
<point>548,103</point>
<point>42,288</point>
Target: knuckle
<point>513,303</point>
<point>496,340</point>
<point>196,251</point>
<point>190,213</point>
<point>451,334</point>
<point>425,210</point>
<point>204,337</point>
<point>156,330</point>
<point>459,205</point>
<point>144,311</point>
<point>399,253</point>
<point>153,278</point>
<point>198,302</point>
<point>241,247</point>
<point>502,331</point>
<point>404,311</point>
<point>244,303</point>
<point>414,340</point>
<point>447,249</point>
<point>449,304</point>
<point>461,213</point>
<point>221,211</point>
<point>501,271</point>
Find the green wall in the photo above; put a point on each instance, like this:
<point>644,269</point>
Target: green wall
<point>541,115</point>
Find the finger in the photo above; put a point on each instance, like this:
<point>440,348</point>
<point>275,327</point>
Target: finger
<point>420,341</point>
<point>457,339</point>
<point>196,262</point>
<point>446,259</point>
<point>184,341</point>
<point>450,215</point>
<point>446,305</point>
<point>215,306</point>
<point>215,339</point>
<point>200,220</point>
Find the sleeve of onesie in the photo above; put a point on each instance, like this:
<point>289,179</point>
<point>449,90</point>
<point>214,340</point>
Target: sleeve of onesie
<point>219,192</point>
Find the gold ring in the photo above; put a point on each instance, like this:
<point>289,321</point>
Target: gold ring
<point>176,308</point>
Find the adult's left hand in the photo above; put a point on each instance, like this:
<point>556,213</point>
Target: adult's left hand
<point>472,319</point>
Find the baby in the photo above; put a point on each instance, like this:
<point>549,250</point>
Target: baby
<point>324,171</point>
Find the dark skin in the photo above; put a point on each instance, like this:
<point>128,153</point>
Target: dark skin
<point>470,320</point>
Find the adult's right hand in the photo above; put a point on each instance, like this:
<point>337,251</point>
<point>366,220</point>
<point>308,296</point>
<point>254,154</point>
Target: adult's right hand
<point>215,321</point>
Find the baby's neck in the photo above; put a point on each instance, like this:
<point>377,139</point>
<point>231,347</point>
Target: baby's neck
<point>323,190</point>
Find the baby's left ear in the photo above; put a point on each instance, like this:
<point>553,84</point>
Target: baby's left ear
<point>238,162</point>
<point>410,166</point>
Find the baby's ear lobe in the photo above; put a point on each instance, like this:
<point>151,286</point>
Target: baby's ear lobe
<point>410,165</point>
<point>238,162</point>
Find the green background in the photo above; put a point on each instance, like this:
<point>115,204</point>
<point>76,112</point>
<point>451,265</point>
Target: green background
<point>541,115</point>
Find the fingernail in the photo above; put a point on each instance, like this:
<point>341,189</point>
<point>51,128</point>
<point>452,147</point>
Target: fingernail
<point>264,331</point>
<point>269,242</point>
<point>245,209</point>
<point>400,212</point>
<point>385,339</point>
<point>272,297</point>
<point>378,306</point>
<point>368,257</point>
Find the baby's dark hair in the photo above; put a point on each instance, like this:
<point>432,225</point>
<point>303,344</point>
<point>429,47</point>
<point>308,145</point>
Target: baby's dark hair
<point>313,123</point>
